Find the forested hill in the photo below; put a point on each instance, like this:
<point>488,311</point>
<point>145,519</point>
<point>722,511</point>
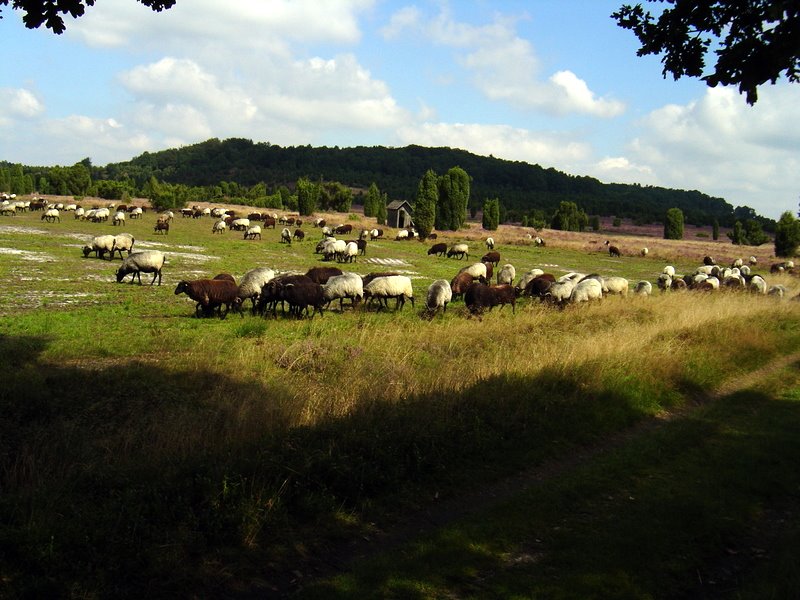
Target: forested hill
<point>521,187</point>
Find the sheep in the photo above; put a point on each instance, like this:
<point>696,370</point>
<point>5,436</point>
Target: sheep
<point>758,285</point>
<point>347,285</point>
<point>752,261</point>
<point>333,249</point>
<point>489,270</point>
<point>251,284</point>
<point>79,212</point>
<point>613,250</point>
<point>439,249</point>
<point>527,278</point>
<point>439,296</point>
<point>161,227</point>
<point>375,234</point>
<point>460,283</point>
<point>100,214</point>
<point>537,241</point>
<point>299,235</point>
<point>123,242</point>
<point>476,270</point>
<point>491,257</point>
<point>506,275</point>
<point>782,267</point>
<point>490,243</point>
<point>560,291</point>
<point>319,222</point>
<point>643,288</point>
<point>402,234</point>
<point>644,252</point>
<point>737,263</point>
<point>272,292</point>
<point>322,274</point>
<point>350,252</point>
<point>777,290</point>
<point>119,218</point>
<point>100,245</point>
<point>252,232</point>
<point>669,270</point>
<point>300,296</point>
<point>146,261</point>
<point>479,296</point>
<point>586,291</point>
<point>10,210</point>
<point>210,294</point>
<point>219,226</point>
<point>327,232</point>
<point>239,224</point>
<point>538,287</point>
<point>460,250</point>
<point>615,285</point>
<point>709,261</point>
<point>396,286</point>
<point>343,229</point>
<point>268,222</point>
<point>286,236</point>
<point>136,212</point>
<point>51,215</point>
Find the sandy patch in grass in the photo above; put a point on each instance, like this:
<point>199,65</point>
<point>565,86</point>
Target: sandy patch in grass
<point>25,230</point>
<point>27,254</point>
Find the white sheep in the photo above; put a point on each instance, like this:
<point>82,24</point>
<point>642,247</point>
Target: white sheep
<point>737,263</point>
<point>615,285</point>
<point>79,212</point>
<point>645,251</point>
<point>136,212</point>
<point>586,290</point>
<point>51,215</point>
<point>664,282</point>
<point>147,261</point>
<point>462,250</point>
<point>643,288</point>
<point>333,249</point>
<point>100,245</point>
<point>527,278</point>
<point>252,232</point>
<point>490,243</point>
<point>346,285</point>
<point>758,285</point>
<point>392,286</point>
<point>506,275</point>
<point>240,224</point>
<point>438,296</point>
<point>753,261</point>
<point>286,236</point>
<point>251,284</point>
<point>219,227</point>
<point>119,218</point>
<point>476,270</point>
<point>350,252</point>
<point>669,270</point>
<point>123,242</point>
<point>777,290</point>
<point>402,234</point>
<point>560,291</point>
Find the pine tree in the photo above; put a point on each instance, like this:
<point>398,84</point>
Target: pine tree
<point>787,235</point>
<point>425,204</point>
<point>491,214</point>
<point>673,224</point>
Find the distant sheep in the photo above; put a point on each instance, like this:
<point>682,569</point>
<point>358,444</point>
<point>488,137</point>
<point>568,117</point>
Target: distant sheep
<point>286,236</point>
<point>645,251</point>
<point>350,252</point>
<point>100,245</point>
<point>439,249</point>
<point>613,250</point>
<point>161,227</point>
<point>491,257</point>
<point>490,243</point>
<point>476,270</point>
<point>219,226</point>
<point>51,215</point>
<point>146,261</point>
<point>252,232</point>
<point>239,224</point>
<point>439,296</point>
<point>123,242</point>
<point>643,288</point>
<point>299,235</point>
<point>459,250</point>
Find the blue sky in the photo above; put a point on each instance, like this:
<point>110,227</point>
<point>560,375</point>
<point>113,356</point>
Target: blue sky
<point>550,82</point>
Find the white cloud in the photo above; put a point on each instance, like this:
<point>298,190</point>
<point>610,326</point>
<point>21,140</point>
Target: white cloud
<point>19,103</point>
<point>406,18</point>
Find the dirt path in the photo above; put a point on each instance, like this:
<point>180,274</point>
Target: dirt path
<point>338,558</point>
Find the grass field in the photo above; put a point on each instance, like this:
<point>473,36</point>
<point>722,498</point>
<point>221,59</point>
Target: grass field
<point>145,452</point>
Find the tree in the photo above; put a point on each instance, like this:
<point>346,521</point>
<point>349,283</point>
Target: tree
<point>569,217</point>
<point>48,12</point>
<point>760,40</point>
<point>491,214</point>
<point>308,194</point>
<point>673,224</point>
<point>594,222</point>
<point>737,236</point>
<point>425,203</point>
<point>372,200</point>
<point>451,208</point>
<point>381,213</point>
<point>715,230</point>
<point>787,235</point>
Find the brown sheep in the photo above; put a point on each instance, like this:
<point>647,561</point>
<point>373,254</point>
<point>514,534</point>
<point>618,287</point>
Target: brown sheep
<point>479,296</point>
<point>322,274</point>
<point>491,257</point>
<point>439,249</point>
<point>210,294</point>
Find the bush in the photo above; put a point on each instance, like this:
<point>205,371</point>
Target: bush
<point>787,235</point>
<point>673,224</point>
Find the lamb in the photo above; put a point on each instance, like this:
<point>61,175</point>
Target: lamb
<point>322,274</point>
<point>100,245</point>
<point>479,296</point>
<point>395,286</point>
<point>161,227</point>
<point>119,218</point>
<point>643,288</point>
<point>251,284</point>
<point>347,285</point>
<point>286,236</point>
<point>438,296</point>
<point>51,215</point>
<point>439,249</point>
<point>219,226</point>
<point>506,275</point>
<point>122,243</point>
<point>615,285</point>
<point>210,294</point>
<point>613,250</point>
<point>252,232</point>
<point>146,261</point>
<point>491,257</point>
<point>586,290</point>
<point>490,243</point>
<point>460,250</point>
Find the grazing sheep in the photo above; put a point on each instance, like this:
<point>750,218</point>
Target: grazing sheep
<point>272,292</point>
<point>476,270</point>
<point>79,212</point>
<point>327,232</point>
<point>252,232</point>
<point>146,261</point>
<point>439,296</point>
<point>100,245</point>
<point>239,224</point>
<point>479,296</point>
<point>333,249</point>
<point>506,275</point>
<point>343,229</point>
<point>299,235</point>
<point>489,270</point>
<point>10,210</point>
<point>709,261</point>
<point>460,283</point>
<point>758,285</point>
<point>782,267</point>
<point>119,218</point>
<point>586,290</point>
<point>643,288</point>
<point>491,257</point>
<point>645,251</point>
<point>286,236</point>
<point>439,249</point>
<point>538,287</point>
<point>737,263</point>
<point>753,261</point>
<point>210,294</point>
<point>490,243</point>
<point>402,234</point>
<point>613,250</point>
<point>527,278</point>
<point>219,227</point>
<point>251,284</point>
<point>383,288</point>
<point>669,270</point>
<point>161,227</point>
<point>123,242</point>
<point>537,241</point>
<point>777,290</point>
<point>346,285</point>
<point>51,215</point>
<point>300,296</point>
<point>319,222</point>
<point>560,291</point>
<point>350,252</point>
<point>460,250</point>
<point>370,276</point>
<point>375,234</point>
<point>268,222</point>
<point>615,285</point>
<point>322,274</point>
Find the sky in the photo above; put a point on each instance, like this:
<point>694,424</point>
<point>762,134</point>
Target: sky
<point>550,82</point>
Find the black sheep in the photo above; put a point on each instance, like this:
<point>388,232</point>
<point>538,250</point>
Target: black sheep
<point>210,294</point>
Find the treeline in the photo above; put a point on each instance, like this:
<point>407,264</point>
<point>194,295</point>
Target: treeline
<point>241,169</point>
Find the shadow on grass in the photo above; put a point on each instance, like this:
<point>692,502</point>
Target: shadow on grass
<point>134,479</point>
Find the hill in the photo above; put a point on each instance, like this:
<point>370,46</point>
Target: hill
<point>522,188</point>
